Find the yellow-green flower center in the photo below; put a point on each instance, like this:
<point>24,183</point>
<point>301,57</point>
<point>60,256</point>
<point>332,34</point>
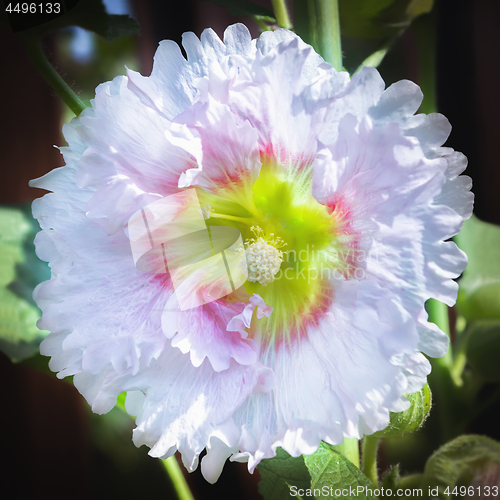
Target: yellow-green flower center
<point>295,280</point>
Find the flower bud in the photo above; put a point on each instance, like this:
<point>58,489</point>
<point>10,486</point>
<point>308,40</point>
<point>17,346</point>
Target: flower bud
<point>411,419</point>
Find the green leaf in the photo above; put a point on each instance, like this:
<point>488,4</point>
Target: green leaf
<point>19,336</point>
<point>331,471</point>
<point>119,25</point>
<point>391,479</point>
<point>30,270</point>
<point>479,292</point>
<point>483,349</point>
<point>13,230</point>
<point>402,12</point>
<point>280,473</point>
<point>371,28</point>
<point>90,15</point>
<point>366,19</point>
<point>411,419</point>
<point>245,8</point>
<point>457,463</point>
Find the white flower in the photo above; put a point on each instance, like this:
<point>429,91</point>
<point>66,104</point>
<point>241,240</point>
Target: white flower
<point>342,171</point>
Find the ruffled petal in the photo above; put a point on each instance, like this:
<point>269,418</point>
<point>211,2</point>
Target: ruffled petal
<point>189,407</point>
<point>231,157</point>
<point>243,320</point>
<point>203,332</point>
<point>400,101</point>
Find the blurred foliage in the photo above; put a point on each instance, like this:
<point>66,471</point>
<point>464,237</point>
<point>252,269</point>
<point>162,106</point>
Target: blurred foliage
<point>20,272</point>
<point>369,29</point>
<point>88,14</point>
<point>366,19</point>
<point>479,293</point>
<point>106,60</point>
<point>460,463</point>
<point>483,350</point>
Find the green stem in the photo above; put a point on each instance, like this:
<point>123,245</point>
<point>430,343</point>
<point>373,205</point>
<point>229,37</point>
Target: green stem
<point>369,458</point>
<point>458,367</point>
<point>177,478</point>
<point>52,77</point>
<point>262,25</point>
<point>438,314</point>
<point>441,380</point>
<point>243,220</point>
<point>350,449</point>
<point>171,465</point>
<point>317,22</point>
<point>281,13</point>
<point>412,481</point>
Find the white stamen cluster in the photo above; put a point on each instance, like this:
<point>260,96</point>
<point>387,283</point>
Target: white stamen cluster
<point>263,257</point>
<point>206,211</point>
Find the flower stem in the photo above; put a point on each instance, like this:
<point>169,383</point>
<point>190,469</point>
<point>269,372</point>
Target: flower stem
<point>412,481</point>
<point>243,220</point>
<point>177,478</point>
<point>52,77</point>
<point>458,367</point>
<point>318,23</point>
<point>441,380</point>
<point>262,25</point>
<point>281,13</point>
<point>369,458</point>
<point>350,449</point>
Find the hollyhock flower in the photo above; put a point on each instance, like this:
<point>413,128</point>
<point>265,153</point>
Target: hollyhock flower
<point>345,202</point>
